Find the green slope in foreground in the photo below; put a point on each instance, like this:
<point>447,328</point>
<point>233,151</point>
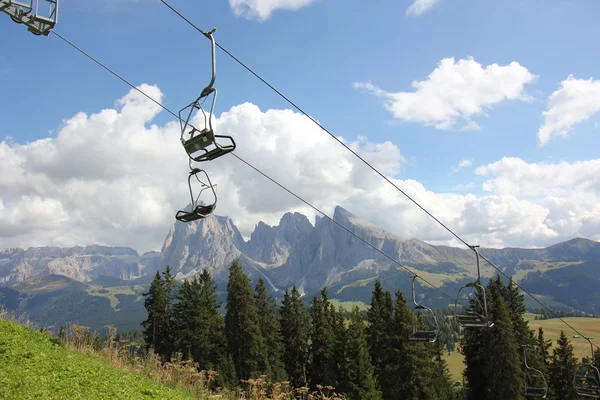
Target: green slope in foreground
<point>34,366</point>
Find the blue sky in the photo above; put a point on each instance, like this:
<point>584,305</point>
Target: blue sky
<point>315,55</point>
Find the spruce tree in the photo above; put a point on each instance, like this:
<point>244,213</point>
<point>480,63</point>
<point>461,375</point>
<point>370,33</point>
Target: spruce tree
<point>505,380</point>
<point>442,381</point>
<point>322,340</point>
<point>295,331</point>
<point>336,367</point>
<point>156,325</point>
<point>184,321</point>
<point>562,370</point>
<point>379,333</point>
<point>241,325</point>
<point>169,280</point>
<point>271,332</point>
<point>211,350</point>
<point>408,373</point>
<point>359,382</point>
<point>544,347</point>
<point>494,367</point>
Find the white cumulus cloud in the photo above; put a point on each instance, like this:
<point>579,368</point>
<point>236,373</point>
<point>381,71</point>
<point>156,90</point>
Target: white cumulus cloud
<point>462,164</point>
<point>576,101</point>
<point>419,7</point>
<point>517,177</point>
<point>115,178</point>
<point>262,9</point>
<point>456,91</point>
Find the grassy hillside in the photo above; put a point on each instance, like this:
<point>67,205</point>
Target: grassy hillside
<point>34,365</point>
<point>587,326</point>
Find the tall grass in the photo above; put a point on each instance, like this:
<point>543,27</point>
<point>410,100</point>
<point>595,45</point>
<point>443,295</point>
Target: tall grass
<point>184,375</point>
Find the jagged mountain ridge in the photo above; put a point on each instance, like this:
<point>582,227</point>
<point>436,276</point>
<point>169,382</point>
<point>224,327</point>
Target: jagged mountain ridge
<point>79,263</point>
<point>293,252</point>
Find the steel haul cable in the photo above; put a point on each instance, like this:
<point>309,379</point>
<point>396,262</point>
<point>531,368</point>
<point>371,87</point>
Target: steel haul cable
<point>293,104</point>
<point>290,191</point>
<point>254,168</point>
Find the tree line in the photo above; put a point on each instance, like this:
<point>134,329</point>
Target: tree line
<point>363,356</point>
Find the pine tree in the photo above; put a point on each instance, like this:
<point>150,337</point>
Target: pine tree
<point>184,321</point>
<point>504,360</point>
<point>271,332</point>
<point>336,374</point>
<point>322,339</point>
<point>359,382</point>
<point>210,349</point>
<point>295,331</point>
<point>562,370</point>
<point>442,381</point>
<point>169,280</point>
<point>379,334</point>
<point>544,347</point>
<point>241,325</point>
<point>492,355</point>
<point>409,367</point>
<point>156,325</point>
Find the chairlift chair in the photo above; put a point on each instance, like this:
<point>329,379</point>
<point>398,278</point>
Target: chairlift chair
<point>31,13</point>
<point>531,373</point>
<point>471,319</point>
<point>202,144</point>
<point>419,335</point>
<point>198,209</point>
<point>587,378</point>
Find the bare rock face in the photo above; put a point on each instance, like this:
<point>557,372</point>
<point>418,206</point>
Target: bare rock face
<point>293,252</point>
<point>79,263</point>
<point>211,243</point>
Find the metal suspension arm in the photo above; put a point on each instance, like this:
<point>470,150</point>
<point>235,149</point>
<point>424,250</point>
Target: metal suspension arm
<point>209,89</point>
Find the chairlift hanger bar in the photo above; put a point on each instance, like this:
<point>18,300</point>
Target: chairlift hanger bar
<point>423,335</point>
<point>202,144</point>
<point>592,391</point>
<point>368,164</point>
<point>534,391</point>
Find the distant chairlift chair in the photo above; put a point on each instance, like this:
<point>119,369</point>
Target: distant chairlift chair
<point>471,319</point>
<point>419,335</point>
<point>199,209</point>
<point>532,376</point>
<point>31,13</point>
<point>202,145</point>
<point>587,378</point>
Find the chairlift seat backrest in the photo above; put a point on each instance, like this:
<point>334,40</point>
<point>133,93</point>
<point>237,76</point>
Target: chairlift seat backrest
<point>200,141</point>
<point>589,392</point>
<point>472,321</point>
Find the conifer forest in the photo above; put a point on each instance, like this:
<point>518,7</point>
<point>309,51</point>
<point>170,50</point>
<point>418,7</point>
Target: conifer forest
<point>359,354</point>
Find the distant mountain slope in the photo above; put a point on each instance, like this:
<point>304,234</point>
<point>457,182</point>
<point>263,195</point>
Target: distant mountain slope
<point>56,300</point>
<point>309,256</point>
<point>79,263</point>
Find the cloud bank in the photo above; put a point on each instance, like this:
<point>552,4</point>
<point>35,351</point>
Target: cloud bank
<point>115,178</point>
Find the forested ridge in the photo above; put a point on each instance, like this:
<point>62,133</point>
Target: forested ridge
<point>363,355</point>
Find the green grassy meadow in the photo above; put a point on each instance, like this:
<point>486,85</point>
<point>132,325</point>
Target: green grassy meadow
<point>34,365</point>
